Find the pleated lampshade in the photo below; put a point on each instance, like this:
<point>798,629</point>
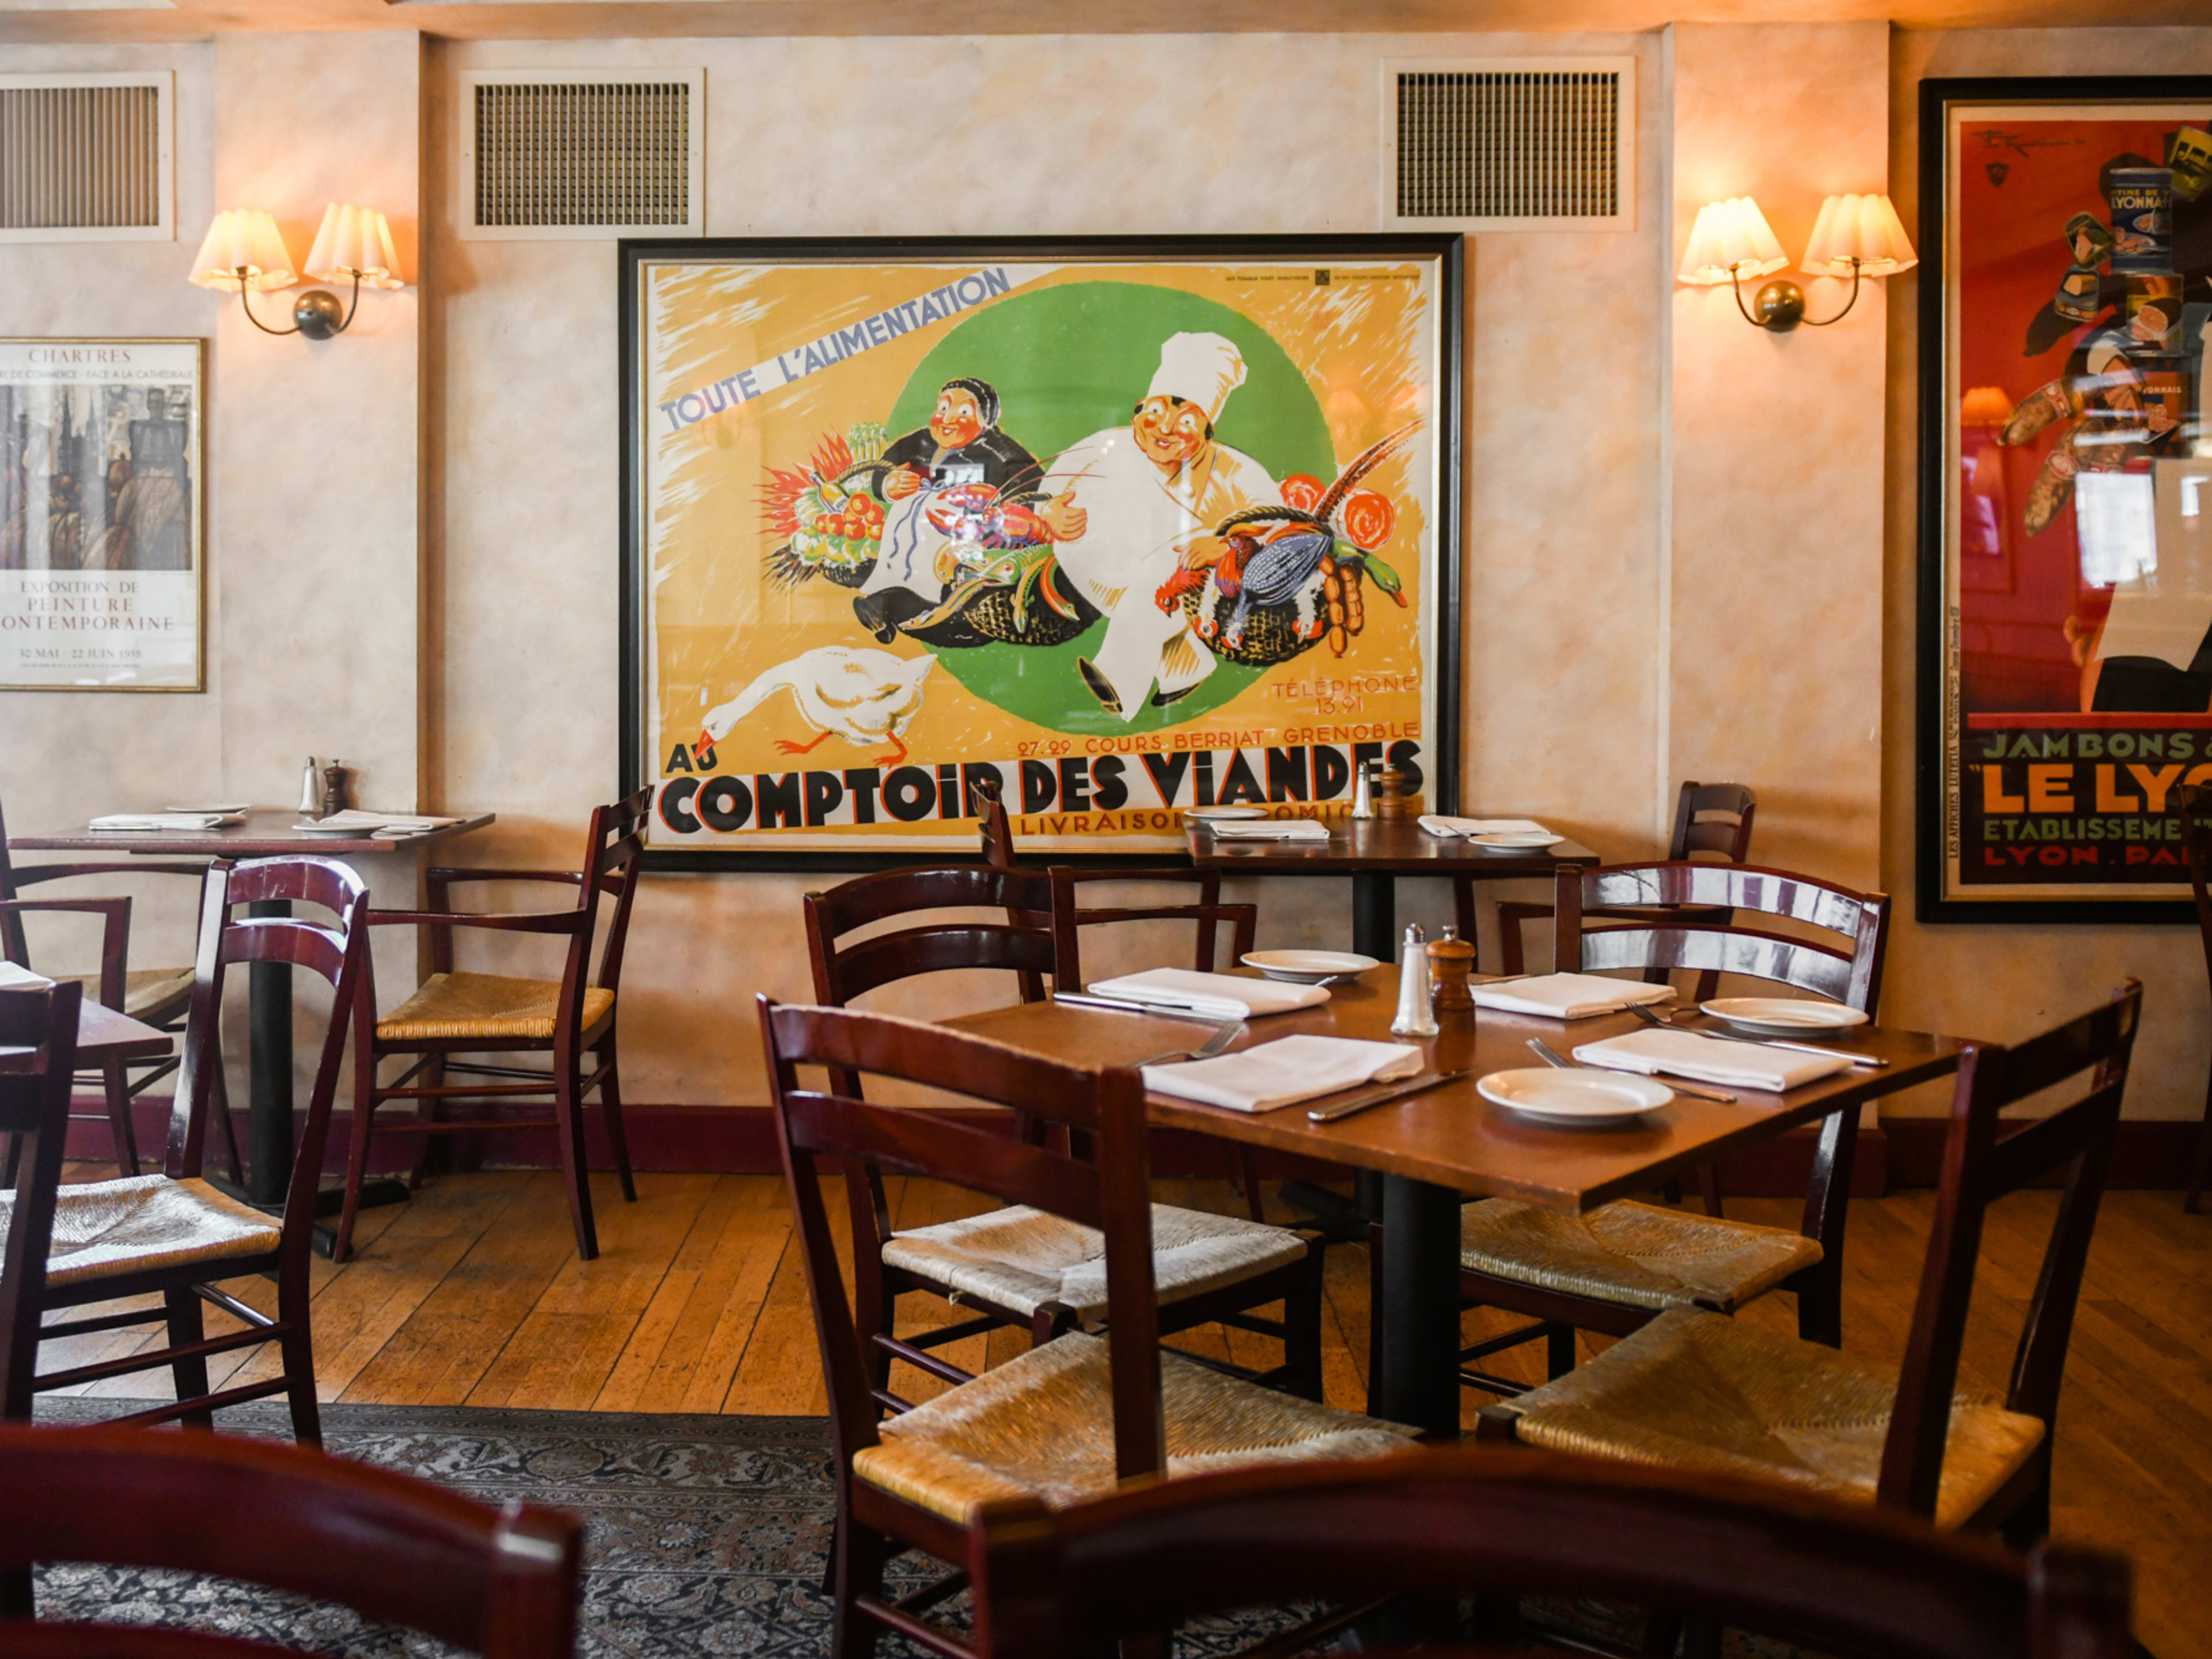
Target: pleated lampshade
<point>1861,227</point>
<point>1730,237</point>
<point>247,237</point>
<point>354,241</point>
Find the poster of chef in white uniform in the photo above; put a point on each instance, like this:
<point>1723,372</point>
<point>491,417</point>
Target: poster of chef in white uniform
<point>1128,503</point>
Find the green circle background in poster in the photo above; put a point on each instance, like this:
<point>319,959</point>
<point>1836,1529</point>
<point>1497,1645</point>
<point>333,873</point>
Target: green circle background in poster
<point>1070,360</point>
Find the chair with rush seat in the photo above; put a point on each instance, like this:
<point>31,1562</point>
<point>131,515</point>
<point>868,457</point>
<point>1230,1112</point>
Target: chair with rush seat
<point>1059,1423</point>
<point>174,1233</point>
<point>468,1013</point>
<point>1696,1392</point>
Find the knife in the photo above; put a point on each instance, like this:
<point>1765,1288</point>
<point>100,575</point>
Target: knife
<point>1163,1010</point>
<point>1387,1093</point>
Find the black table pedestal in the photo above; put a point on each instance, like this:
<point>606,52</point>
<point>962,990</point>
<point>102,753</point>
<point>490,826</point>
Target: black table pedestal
<point>269,1085</point>
<point>1418,1381</point>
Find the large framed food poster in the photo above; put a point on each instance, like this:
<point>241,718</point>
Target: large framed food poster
<point>1130,526</point>
<point>2066,495</point>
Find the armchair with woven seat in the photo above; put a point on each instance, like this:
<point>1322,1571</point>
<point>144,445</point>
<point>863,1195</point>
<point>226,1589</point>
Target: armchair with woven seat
<point>1697,1392</point>
<point>455,1012</point>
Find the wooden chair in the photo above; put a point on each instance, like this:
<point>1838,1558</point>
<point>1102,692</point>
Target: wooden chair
<point>153,996</point>
<point>1012,1266</point>
<point>454,1013</point>
<point>1709,817</point>
<point>1465,1521</point>
<point>1060,1422</point>
<point>1619,1267</point>
<point>1706,1395</point>
<point>174,1233</point>
<point>2195,803</point>
<point>398,1550</point>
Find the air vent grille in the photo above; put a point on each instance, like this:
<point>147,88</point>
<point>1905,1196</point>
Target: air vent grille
<point>83,159</point>
<point>1512,146</point>
<point>557,155</point>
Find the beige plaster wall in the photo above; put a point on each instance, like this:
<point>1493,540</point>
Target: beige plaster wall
<point>2004,983</point>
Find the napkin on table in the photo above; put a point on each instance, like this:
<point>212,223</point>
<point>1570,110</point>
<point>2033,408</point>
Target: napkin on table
<point>1267,829</point>
<point>1568,996</point>
<point>1224,996</point>
<point>1283,1072</point>
<point>190,822</point>
<point>12,978</point>
<point>384,826</point>
<point>1684,1054</point>
<point>1437,823</point>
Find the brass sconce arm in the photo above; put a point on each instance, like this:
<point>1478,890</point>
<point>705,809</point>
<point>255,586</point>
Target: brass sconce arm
<point>314,313</point>
<point>1779,306</point>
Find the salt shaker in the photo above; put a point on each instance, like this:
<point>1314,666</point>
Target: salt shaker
<point>1451,959</point>
<point>1415,1016</point>
<point>310,804</point>
<point>1362,794</point>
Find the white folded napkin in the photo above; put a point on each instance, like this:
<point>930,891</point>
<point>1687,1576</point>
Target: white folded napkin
<point>1568,996</point>
<point>236,809</point>
<point>1267,829</point>
<point>1222,996</point>
<point>1683,1054</point>
<point>1437,824</point>
<point>12,978</point>
<point>1283,1072</point>
<point>411,822</point>
<point>184,821</point>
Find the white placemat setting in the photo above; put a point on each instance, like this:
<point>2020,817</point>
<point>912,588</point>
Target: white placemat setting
<point>1283,1072</point>
<point>188,823</point>
<point>1266,828</point>
<point>1568,996</point>
<point>1436,824</point>
<point>383,826</point>
<point>1684,1054</point>
<point>1222,996</point>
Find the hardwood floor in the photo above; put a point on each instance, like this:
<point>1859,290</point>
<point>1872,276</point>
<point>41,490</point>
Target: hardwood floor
<point>472,1294</point>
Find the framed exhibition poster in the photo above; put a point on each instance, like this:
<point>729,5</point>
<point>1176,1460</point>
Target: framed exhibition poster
<point>1130,526</point>
<point>2065,494</point>
<point>102,568</point>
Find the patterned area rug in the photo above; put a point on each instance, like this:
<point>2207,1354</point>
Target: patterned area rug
<point>705,1536</point>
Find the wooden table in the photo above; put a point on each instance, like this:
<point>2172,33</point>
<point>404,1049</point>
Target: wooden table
<point>1432,1149</point>
<point>102,1035</point>
<point>266,833</point>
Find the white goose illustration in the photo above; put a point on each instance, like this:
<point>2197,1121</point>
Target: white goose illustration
<point>863,696</point>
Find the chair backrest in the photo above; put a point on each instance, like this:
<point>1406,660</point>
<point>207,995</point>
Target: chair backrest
<point>1713,817</point>
<point>1852,976</point>
<point>841,973</point>
<point>336,951</point>
<point>996,828</point>
<point>1068,918</point>
<point>400,1551</point>
<point>40,1026</point>
<point>1442,1523</point>
<point>1978,1167</point>
<point>1109,1191</point>
<point>614,852</point>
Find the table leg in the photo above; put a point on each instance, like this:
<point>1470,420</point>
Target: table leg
<point>269,1123</point>
<point>1419,1380</point>
<point>1375,915</point>
<point>1374,929</point>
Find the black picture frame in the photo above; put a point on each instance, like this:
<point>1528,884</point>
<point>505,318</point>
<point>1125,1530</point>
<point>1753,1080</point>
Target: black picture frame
<point>633,253</point>
<point>1936,791</point>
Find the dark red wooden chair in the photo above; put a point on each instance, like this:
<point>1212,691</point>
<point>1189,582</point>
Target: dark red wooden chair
<point>455,1012</point>
<point>175,1234</point>
<point>2195,803</point>
<point>158,997</point>
<point>1468,1521</point>
<point>1796,1412</point>
<point>1060,1422</point>
<point>399,1551</point>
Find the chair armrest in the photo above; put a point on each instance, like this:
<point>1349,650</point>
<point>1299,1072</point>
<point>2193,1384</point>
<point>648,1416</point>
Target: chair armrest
<point>445,876</point>
<point>31,876</point>
<point>114,936</point>
<point>518,921</point>
<point>1180,872</point>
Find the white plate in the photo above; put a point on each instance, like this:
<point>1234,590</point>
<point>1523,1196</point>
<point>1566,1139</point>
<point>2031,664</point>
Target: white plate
<point>1783,1016</point>
<point>1518,838</point>
<point>1583,1097</point>
<point>332,828</point>
<point>229,810</point>
<point>1204,813</point>
<point>1307,967</point>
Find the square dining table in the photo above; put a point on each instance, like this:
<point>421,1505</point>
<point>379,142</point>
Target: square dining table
<point>268,832</point>
<point>1436,1149</point>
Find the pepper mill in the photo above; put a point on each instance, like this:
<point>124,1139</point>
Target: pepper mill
<point>1415,1016</point>
<point>1390,793</point>
<point>1451,959</point>
<point>334,789</point>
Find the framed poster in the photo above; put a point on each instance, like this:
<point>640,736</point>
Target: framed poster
<point>1130,525</point>
<point>2065,494</point>
<point>102,563</point>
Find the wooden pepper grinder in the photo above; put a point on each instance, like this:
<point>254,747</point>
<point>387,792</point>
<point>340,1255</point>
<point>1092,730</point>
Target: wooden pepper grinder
<point>1390,793</point>
<point>334,789</point>
<point>1451,959</point>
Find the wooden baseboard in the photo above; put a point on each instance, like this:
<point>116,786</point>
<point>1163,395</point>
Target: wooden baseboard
<point>741,1140</point>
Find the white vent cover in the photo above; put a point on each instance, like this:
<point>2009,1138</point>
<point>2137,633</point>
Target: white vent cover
<point>1509,143</point>
<point>581,156</point>
<point>87,158</point>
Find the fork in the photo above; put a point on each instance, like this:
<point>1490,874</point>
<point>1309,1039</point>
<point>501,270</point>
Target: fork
<point>1222,1037</point>
<point>1551,1056</point>
<point>1650,1018</point>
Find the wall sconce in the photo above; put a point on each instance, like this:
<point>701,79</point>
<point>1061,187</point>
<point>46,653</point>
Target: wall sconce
<point>244,252</point>
<point>1856,236</point>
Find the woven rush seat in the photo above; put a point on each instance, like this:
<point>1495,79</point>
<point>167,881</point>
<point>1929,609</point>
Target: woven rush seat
<point>1020,1258</point>
<point>450,1006</point>
<point>1710,1395</point>
<point>145,990</point>
<point>1042,1425</point>
<point>1638,1255</point>
<point>104,1228</point>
